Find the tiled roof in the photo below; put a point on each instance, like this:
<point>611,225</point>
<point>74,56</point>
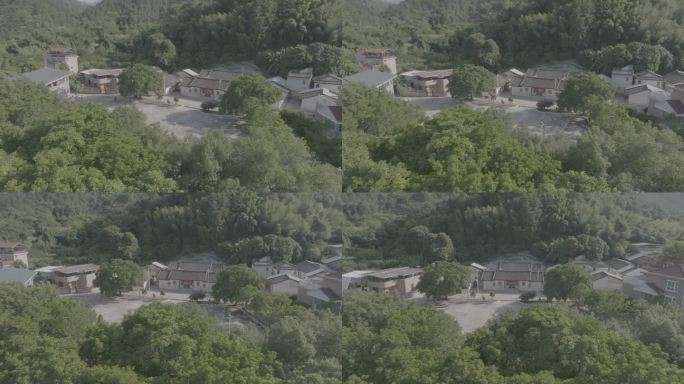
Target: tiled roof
<point>77,269</point>
<point>395,273</point>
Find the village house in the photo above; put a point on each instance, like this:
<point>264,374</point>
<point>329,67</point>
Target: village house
<point>506,79</point>
<point>11,253</point>
<point>666,104</point>
<point>190,276</point>
<point>650,78</point>
<point>329,81</point>
<point>538,82</point>
<point>299,80</point>
<point>17,275</point>
<point>673,78</point>
<point>355,279</point>
<point>61,58</point>
<point>203,88</point>
<point>284,283</point>
<point>427,83</point>
<point>401,281</point>
<point>56,80</point>
<point>322,290</point>
<point>516,277</point>
<point>267,268</point>
<point>105,81</point>
<point>604,280</point>
<point>374,79</point>
<point>626,77</point>
<point>621,78</point>
<point>667,281</point>
<point>376,59</point>
<point>72,279</point>
<point>639,96</point>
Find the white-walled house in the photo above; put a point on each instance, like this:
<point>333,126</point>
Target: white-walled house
<point>328,81</point>
<point>604,280</point>
<point>374,79</point>
<point>516,277</point>
<point>650,78</point>
<point>621,78</point>
<point>284,283</point>
<point>299,80</point>
<point>639,96</point>
<point>191,276</point>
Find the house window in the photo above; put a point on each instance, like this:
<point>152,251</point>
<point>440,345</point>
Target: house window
<point>550,91</point>
<point>627,78</point>
<point>671,286</point>
<point>670,299</point>
<point>639,81</point>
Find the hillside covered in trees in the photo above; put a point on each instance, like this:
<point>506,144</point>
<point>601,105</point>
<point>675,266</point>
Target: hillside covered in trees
<point>70,147</point>
<point>421,228</point>
<point>390,146</point>
<point>522,32</point>
<point>238,226</point>
<point>168,33</point>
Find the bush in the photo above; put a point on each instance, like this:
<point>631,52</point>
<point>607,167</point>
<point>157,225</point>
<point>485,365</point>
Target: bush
<point>527,296</point>
<point>198,296</point>
<point>543,105</point>
<point>209,105</point>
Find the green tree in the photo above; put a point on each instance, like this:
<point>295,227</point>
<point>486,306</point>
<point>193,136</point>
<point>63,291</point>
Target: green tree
<point>238,284</point>
<point>470,80</point>
<point>583,92</point>
<point>118,276</point>
<point>567,281</point>
<point>237,98</point>
<point>139,80</point>
<point>673,251</point>
<point>443,278</point>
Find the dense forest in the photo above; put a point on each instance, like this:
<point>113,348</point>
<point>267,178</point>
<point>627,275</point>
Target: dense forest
<point>173,33</point>
<point>545,343</point>
<point>68,147</point>
<point>421,228</point>
<point>436,33</point>
<point>48,339</point>
<point>237,226</point>
<point>390,146</point>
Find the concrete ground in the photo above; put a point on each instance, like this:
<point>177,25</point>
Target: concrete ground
<point>474,314</point>
<point>181,119</point>
<point>113,310</point>
<point>523,112</point>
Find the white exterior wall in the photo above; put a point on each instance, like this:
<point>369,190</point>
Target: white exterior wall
<point>298,83</point>
<point>639,100</point>
<point>288,287</point>
<point>522,286</point>
<point>309,104</point>
<point>332,87</point>
<point>655,83</point>
<point>621,81</point>
<point>607,282</point>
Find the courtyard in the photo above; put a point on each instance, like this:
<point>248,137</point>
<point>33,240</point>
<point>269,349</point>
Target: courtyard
<point>523,113</point>
<point>114,309</point>
<point>182,118</point>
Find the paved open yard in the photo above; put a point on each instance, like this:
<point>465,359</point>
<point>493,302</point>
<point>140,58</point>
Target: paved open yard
<point>523,113</point>
<point>113,310</point>
<point>474,314</point>
<point>182,119</point>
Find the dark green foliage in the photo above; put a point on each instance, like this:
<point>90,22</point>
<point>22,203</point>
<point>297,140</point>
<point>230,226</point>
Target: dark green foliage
<point>237,284</point>
<point>118,276</point>
<point>470,80</point>
<point>139,80</point>
<point>583,92</point>
<point>442,279</point>
<point>245,90</point>
<point>567,281</point>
